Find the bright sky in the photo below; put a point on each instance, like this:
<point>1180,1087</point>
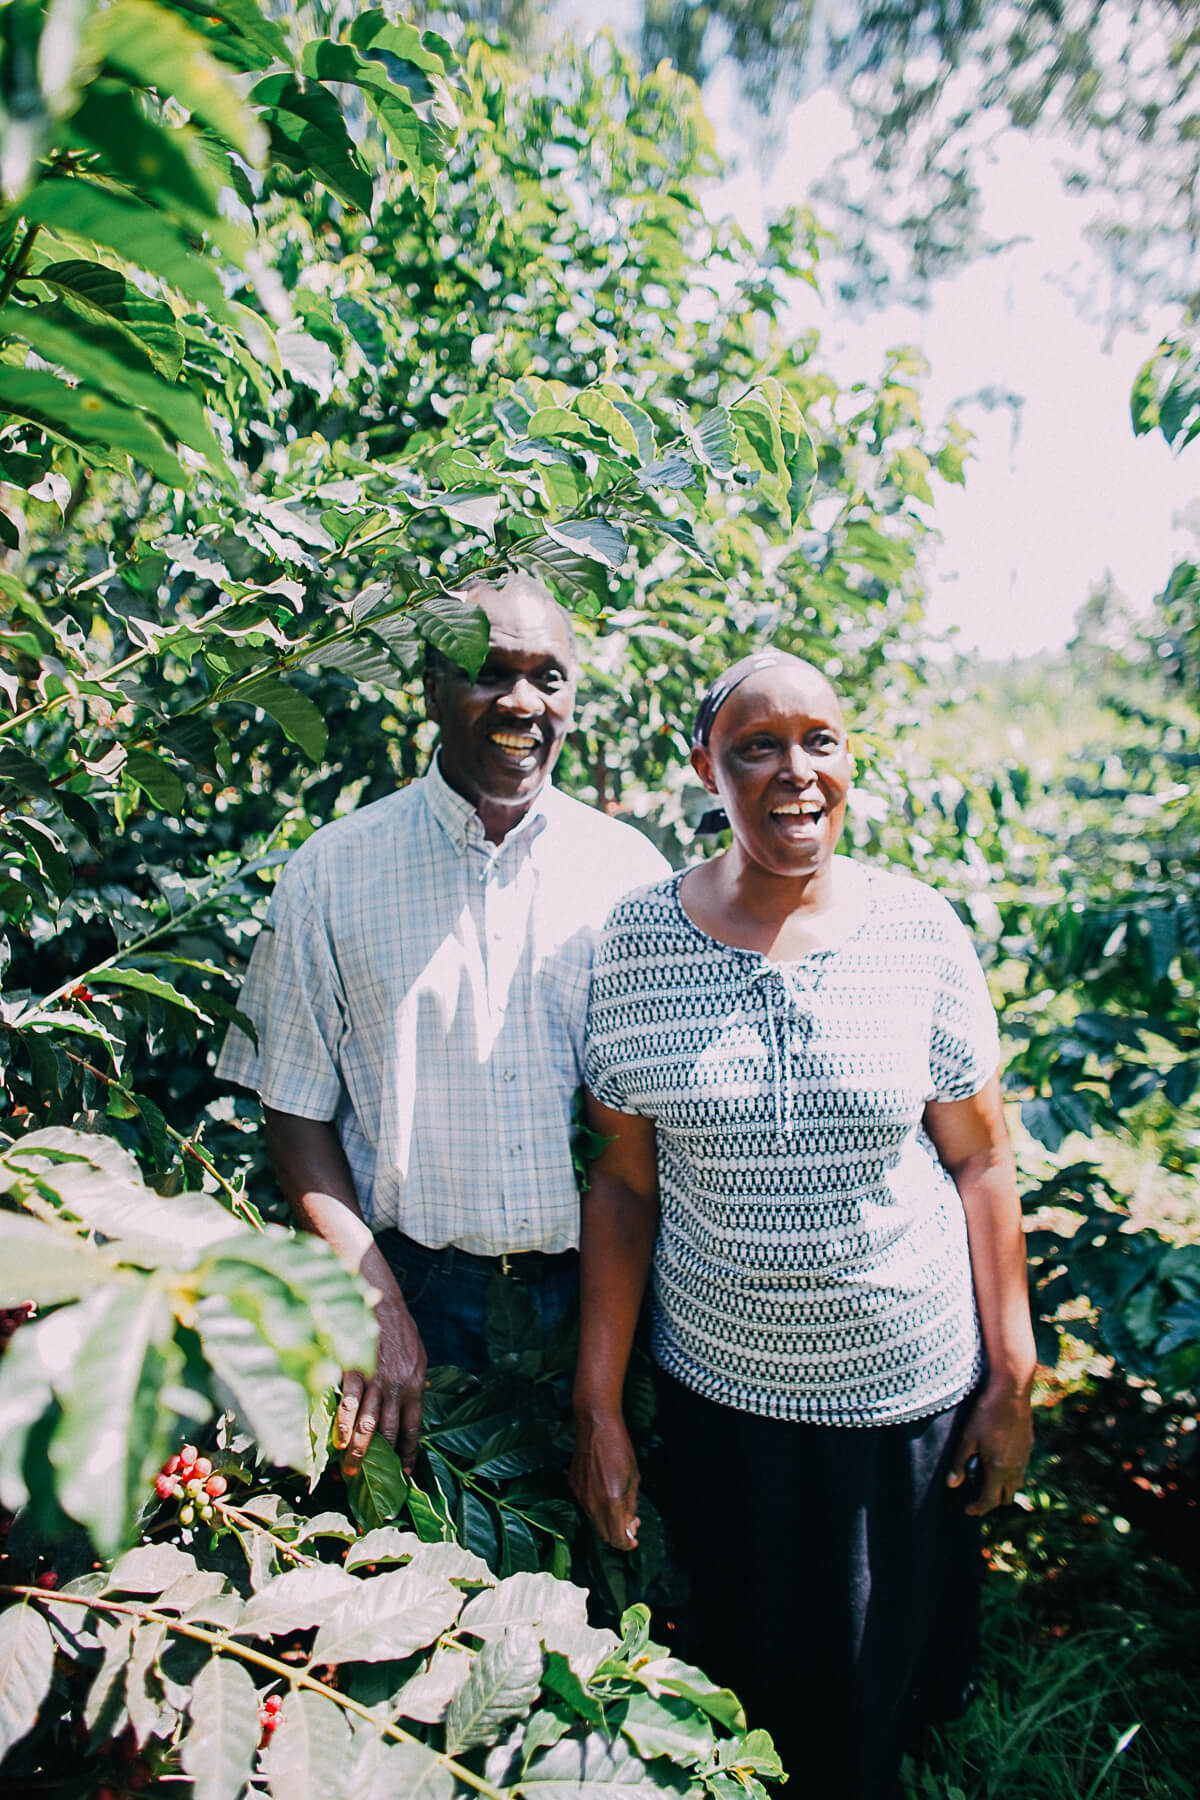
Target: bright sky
<point>1076,497</point>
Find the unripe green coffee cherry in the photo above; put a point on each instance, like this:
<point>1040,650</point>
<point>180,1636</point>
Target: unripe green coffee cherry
<point>187,1514</point>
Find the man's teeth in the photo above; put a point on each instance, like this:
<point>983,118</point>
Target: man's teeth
<point>514,740</point>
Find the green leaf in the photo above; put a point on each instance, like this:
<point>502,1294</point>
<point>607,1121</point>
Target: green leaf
<point>308,134</point>
<point>154,46</point>
<point>309,1754</point>
<point>272,1403</point>
<point>597,538</point>
<point>104,433</point>
<point>412,1771</point>
<point>294,711</point>
<point>149,1569</point>
<point>477,1527</point>
<point>578,577</point>
<point>670,1727</point>
<point>456,628</point>
<point>377,1494</point>
<point>141,981</point>
<point>157,780</point>
<point>410,124</point>
<point>597,406</point>
<point>113,1428</point>
<point>295,1601</point>
<point>530,1598</point>
<point>714,442</point>
<point>164,161</point>
<point>389,1616</point>
<point>176,408</point>
<point>46,1263</point>
<point>575,1769</point>
<point>802,470</point>
<point>26,1671</point>
<point>323,1291</point>
<point>504,1681</point>
<point>137,233</point>
<point>219,1750</point>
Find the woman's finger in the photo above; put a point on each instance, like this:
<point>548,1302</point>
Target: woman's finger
<point>968,1448</point>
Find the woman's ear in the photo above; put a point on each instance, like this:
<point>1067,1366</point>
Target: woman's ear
<point>703,764</point>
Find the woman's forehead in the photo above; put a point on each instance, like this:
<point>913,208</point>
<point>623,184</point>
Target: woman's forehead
<point>791,690</point>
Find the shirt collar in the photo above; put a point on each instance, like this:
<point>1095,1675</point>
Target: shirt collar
<point>462,824</point>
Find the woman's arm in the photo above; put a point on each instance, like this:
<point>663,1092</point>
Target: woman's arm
<point>971,1139</point>
<point>618,1226</point>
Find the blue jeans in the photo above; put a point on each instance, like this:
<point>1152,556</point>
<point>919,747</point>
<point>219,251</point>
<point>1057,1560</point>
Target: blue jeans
<point>446,1291</point>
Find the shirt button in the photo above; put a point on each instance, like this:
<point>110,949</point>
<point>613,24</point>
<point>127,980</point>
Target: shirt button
<point>510,1074</point>
<point>515,1151</point>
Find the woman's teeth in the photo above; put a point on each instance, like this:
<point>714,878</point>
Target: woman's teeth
<point>800,809</point>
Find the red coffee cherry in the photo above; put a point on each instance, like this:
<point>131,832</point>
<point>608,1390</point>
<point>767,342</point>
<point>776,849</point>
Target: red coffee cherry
<point>187,1456</point>
<point>48,1579</point>
<point>202,1468</point>
<point>171,1465</point>
<point>215,1486</point>
<point>164,1487</point>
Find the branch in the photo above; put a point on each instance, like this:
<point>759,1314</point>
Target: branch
<point>282,1671</point>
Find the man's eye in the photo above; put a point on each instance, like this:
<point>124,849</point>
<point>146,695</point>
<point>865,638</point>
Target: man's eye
<point>553,679</point>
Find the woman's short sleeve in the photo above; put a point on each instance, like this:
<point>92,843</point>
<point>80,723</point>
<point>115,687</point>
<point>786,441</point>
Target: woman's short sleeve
<point>964,1043</point>
<point>614,1002</point>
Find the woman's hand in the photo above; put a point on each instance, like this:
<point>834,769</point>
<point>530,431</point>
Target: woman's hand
<point>604,1477</point>
<point>1000,1433</point>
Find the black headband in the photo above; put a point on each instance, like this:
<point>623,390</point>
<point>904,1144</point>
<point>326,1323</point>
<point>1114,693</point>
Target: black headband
<point>724,685</point>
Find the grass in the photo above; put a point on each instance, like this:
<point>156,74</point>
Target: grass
<point>1091,1663</point>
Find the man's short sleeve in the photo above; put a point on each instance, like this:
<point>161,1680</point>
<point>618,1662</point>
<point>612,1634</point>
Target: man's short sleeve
<point>613,1004</point>
<point>293,997</point>
<point>964,1043</point>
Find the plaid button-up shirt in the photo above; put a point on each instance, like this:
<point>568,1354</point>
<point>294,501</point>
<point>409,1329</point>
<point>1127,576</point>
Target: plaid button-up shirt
<point>427,991</point>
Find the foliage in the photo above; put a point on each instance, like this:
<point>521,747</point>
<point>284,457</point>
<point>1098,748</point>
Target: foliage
<point>1109,84</point>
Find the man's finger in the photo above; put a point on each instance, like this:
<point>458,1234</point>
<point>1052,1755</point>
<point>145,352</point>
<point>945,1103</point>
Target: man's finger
<point>347,1413</point>
<point>364,1429</point>
<point>410,1431</point>
<point>389,1419</point>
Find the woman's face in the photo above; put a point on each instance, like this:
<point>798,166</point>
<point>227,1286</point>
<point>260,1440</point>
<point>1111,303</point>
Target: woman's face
<point>779,760</point>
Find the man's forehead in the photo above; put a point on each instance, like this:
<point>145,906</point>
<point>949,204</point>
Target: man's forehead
<point>525,625</point>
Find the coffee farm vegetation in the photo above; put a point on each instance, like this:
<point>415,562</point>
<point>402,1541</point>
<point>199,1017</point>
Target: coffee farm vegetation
<point>302,321</point>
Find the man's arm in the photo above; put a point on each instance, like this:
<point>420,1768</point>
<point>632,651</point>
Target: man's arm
<point>315,1177</point>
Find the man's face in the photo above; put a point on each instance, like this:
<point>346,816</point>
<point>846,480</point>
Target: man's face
<point>502,732</point>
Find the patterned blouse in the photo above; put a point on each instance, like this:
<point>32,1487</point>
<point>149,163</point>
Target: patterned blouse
<point>812,1256</point>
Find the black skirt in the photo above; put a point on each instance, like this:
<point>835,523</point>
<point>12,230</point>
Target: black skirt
<point>835,1580</point>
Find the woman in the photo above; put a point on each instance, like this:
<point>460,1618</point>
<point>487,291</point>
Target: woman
<point>793,1057</point>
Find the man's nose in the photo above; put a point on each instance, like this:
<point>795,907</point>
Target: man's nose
<point>524,696</point>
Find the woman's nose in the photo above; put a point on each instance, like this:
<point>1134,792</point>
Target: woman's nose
<point>799,763</point>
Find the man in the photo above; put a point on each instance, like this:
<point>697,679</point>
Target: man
<point>419,992</point>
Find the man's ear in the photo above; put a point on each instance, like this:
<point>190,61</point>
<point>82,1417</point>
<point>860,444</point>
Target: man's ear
<point>702,762</point>
<point>432,709</point>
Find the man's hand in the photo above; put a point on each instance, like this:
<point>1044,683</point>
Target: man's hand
<point>392,1400</point>
<point>604,1478</point>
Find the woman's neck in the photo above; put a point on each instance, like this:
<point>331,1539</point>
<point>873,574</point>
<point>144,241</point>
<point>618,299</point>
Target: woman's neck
<point>782,916</point>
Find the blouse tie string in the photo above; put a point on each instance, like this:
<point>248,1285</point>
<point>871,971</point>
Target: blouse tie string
<point>782,1000</point>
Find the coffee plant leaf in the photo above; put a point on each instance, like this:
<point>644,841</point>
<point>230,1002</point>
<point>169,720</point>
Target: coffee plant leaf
<point>388,1616</point>
<point>26,1671</point>
<point>455,627</point>
<point>527,1598</point>
<point>669,1727</point>
<point>295,1601</point>
<point>503,1682</point>
<point>427,1696</point>
<point>219,1750</point>
<point>45,1263</point>
<point>411,1770</point>
<point>377,1492</point>
<point>308,1756</point>
<point>113,1431</point>
<point>273,1404</point>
